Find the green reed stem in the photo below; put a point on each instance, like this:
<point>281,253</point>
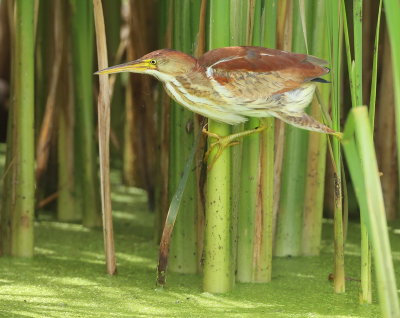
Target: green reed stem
<point>183,254</point>
<point>360,155</point>
<point>218,274</point>
<point>19,187</point>
<point>335,42</point>
<point>290,217</point>
<point>86,180</point>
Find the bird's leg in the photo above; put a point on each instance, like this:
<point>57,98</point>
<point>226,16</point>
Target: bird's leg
<point>224,142</point>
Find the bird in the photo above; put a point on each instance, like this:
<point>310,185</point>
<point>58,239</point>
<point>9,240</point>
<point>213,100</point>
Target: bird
<point>231,84</point>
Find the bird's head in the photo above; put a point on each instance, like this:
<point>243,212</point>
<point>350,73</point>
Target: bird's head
<point>162,64</point>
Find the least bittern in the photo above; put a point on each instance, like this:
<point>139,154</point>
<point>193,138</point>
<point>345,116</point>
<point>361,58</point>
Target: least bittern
<point>232,83</point>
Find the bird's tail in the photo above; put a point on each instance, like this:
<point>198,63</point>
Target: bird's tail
<point>304,121</point>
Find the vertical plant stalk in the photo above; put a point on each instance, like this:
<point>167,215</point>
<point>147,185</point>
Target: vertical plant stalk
<point>245,166</point>
<point>374,77</point>
<point>366,288</point>
<point>360,155</point>
<point>184,238</point>
<point>86,181</point>
<point>104,137</point>
<point>314,196</point>
<point>290,217</point>
<point>166,16</point>
<point>335,40</point>
<point>198,125</point>
<point>385,135</point>
<point>284,42</point>
<point>112,17</point>
<point>47,128</point>
<point>356,82</point>
<point>392,8</point>
<point>18,200</point>
<point>243,186</point>
<point>265,206</point>
<point>218,274</point>
<point>65,136</point>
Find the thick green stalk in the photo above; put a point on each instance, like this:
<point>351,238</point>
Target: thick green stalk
<point>183,255</point>
<point>366,288</point>
<point>218,270</point>
<point>360,154</point>
<point>86,182</point>
<point>19,197</point>
<point>392,7</point>
<point>357,23</point>
<point>65,146</point>
<point>314,196</point>
<point>265,205</point>
<point>290,218</point>
<point>241,230</point>
<point>245,173</point>
<point>65,200</point>
<point>335,39</point>
<point>374,77</point>
<point>355,76</point>
<point>248,204</point>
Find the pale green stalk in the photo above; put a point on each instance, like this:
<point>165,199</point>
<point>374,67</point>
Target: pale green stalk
<point>248,162</point>
<point>264,214</point>
<point>240,155</point>
<point>372,99</point>
<point>65,142</point>
<point>218,272</point>
<point>360,154</point>
<point>392,9</point>
<point>314,196</point>
<point>86,180</point>
<point>290,217</point>
<point>335,39</point>
<point>183,255</point>
<point>355,75</point>
<point>19,187</point>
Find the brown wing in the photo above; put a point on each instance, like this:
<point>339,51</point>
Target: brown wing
<point>287,70</point>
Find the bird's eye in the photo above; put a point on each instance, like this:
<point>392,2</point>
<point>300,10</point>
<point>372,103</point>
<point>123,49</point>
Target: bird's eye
<point>153,62</point>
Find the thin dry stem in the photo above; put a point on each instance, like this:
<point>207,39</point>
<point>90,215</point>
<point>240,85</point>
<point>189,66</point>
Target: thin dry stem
<point>104,137</point>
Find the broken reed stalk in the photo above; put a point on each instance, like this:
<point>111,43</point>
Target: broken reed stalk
<point>104,137</point>
<point>171,217</point>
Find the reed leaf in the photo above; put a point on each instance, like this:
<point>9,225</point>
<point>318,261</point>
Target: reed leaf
<point>360,155</point>
<point>104,138</point>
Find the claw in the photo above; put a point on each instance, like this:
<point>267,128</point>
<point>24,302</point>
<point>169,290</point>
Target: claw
<point>224,142</point>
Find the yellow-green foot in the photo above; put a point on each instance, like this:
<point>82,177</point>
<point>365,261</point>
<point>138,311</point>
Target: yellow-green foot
<point>223,142</point>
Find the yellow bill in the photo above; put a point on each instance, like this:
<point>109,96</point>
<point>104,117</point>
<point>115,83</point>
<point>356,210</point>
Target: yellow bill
<point>137,66</point>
